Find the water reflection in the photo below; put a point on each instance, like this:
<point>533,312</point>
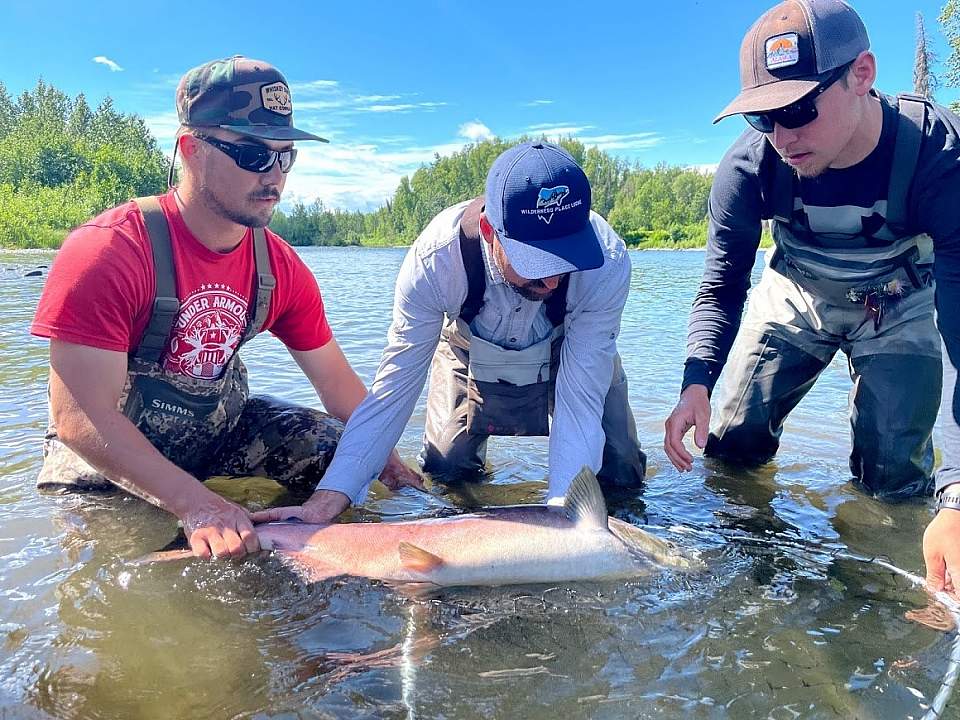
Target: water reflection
<point>777,627</point>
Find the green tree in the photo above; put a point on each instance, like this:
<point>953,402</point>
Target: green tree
<point>924,81</point>
<point>950,24</point>
<point>61,162</point>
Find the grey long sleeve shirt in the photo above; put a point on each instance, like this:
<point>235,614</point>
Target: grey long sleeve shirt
<point>432,286</point>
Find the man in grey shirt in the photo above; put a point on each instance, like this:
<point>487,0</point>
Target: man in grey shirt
<point>512,301</point>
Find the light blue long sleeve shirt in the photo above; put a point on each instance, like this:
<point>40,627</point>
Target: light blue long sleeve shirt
<point>431,287</point>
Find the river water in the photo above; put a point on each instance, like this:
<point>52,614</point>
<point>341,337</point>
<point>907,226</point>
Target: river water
<point>778,627</point>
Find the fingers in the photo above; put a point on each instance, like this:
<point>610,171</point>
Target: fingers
<point>199,545</point>
<point>277,514</point>
<point>935,575</point>
<point>933,554</point>
<point>397,474</point>
<point>226,534</point>
<point>251,543</point>
<point>702,423</point>
<point>674,430</point>
<point>409,478</point>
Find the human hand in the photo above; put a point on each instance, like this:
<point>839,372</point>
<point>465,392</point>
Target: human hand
<point>692,411</point>
<point>322,507</point>
<point>397,474</point>
<point>941,550</point>
<point>216,527</point>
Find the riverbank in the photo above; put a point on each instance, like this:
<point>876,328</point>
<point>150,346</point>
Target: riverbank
<point>52,239</point>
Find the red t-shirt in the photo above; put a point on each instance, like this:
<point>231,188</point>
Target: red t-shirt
<point>101,288</point>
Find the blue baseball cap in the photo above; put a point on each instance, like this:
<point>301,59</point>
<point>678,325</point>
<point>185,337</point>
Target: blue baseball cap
<point>538,201</point>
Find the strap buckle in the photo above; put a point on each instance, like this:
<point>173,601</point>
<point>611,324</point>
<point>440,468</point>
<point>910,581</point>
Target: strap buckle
<point>266,281</point>
<point>166,305</point>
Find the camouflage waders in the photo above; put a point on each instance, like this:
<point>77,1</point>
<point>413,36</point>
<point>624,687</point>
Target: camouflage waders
<point>479,389</point>
<point>869,296</point>
<point>205,427</point>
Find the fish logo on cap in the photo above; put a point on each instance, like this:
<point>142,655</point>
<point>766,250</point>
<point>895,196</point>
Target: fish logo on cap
<point>551,197</point>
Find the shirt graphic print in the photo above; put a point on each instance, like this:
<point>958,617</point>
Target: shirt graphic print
<point>207,331</point>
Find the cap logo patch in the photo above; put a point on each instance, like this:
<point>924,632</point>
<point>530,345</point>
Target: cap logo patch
<point>782,51</point>
<point>276,98</point>
<point>550,201</point>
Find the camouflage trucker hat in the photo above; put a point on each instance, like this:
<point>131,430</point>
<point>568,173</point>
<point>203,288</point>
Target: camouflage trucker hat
<point>246,96</point>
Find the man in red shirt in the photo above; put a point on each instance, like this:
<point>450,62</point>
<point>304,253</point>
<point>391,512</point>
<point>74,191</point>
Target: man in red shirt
<point>147,304</point>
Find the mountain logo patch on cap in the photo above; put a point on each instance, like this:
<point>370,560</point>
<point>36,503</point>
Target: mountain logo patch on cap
<point>782,51</point>
<point>276,98</point>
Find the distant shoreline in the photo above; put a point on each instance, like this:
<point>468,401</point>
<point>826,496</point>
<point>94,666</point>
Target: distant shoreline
<point>40,250</point>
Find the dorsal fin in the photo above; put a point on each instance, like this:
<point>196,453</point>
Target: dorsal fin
<point>584,503</point>
<point>418,559</point>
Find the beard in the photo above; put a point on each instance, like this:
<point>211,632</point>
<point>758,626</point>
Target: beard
<point>811,172</point>
<point>534,290</point>
<point>247,219</point>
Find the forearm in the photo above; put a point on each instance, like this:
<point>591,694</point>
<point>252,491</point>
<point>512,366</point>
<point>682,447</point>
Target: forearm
<point>378,421</point>
<point>113,445</point>
<point>949,471</point>
<point>347,394</point>
<point>587,366</point>
<point>715,316</point>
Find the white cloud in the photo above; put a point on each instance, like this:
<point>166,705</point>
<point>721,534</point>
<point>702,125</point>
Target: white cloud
<point>538,103</point>
<point>313,87</point>
<point>629,141</point>
<point>556,130</point>
<point>360,176</point>
<point>401,107</point>
<point>625,141</point>
<point>104,60</point>
<point>164,128</point>
<point>475,131</point>
<point>705,168</point>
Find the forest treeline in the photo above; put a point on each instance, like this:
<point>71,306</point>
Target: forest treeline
<point>663,206</point>
<point>62,162</point>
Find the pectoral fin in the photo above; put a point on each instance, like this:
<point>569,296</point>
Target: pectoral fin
<point>417,559</point>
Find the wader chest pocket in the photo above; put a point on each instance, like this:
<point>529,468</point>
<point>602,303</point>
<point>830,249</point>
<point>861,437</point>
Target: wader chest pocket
<point>154,396</point>
<point>508,391</point>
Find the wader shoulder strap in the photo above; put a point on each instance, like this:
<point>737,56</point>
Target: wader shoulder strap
<point>783,192</point>
<point>266,282</point>
<point>470,250</point>
<point>166,304</point>
<point>472,260</point>
<point>906,152</point>
<point>556,304</point>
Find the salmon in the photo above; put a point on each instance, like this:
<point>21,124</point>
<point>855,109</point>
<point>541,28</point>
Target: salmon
<point>518,544</point>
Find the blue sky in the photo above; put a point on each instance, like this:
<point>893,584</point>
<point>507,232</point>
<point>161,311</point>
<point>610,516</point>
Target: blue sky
<point>390,84</point>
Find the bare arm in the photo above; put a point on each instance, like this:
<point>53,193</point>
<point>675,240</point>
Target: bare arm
<point>85,387</point>
<point>337,385</point>
<point>341,391</point>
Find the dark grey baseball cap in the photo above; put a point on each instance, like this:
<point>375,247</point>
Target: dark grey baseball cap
<point>790,49</point>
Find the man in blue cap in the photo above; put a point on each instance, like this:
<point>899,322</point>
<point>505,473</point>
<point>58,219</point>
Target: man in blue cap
<point>512,301</point>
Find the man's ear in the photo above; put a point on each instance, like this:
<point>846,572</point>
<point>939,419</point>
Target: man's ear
<point>863,73</point>
<point>486,229</point>
<point>188,145</point>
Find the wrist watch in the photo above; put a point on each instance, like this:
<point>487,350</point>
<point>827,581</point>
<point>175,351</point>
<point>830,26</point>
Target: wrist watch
<point>949,499</point>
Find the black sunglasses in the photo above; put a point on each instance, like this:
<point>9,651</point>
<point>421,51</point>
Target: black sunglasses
<point>796,114</point>
<point>253,158</point>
